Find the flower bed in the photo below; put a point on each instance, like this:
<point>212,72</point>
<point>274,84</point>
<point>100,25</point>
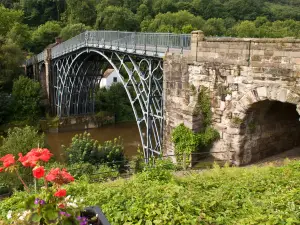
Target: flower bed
<point>50,204</point>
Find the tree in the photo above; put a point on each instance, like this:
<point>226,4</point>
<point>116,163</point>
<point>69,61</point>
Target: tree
<point>11,59</point>
<point>175,22</point>
<point>244,9</point>
<point>79,11</point>
<point>26,96</point>
<point>244,29</point>
<point>116,18</point>
<point>45,35</point>
<point>214,27</point>
<point>7,19</point>
<point>21,35</point>
<point>38,12</point>
<point>71,30</point>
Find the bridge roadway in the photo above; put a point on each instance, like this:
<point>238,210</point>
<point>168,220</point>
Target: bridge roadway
<point>147,44</point>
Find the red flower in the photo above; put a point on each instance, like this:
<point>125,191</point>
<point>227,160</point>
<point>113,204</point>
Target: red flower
<point>61,205</point>
<point>59,176</point>
<point>60,193</point>
<point>1,169</point>
<point>28,160</point>
<point>42,154</point>
<point>35,155</point>
<point>8,160</point>
<point>38,172</point>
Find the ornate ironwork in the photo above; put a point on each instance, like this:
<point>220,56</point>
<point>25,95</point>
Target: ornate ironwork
<point>77,76</point>
<point>78,64</point>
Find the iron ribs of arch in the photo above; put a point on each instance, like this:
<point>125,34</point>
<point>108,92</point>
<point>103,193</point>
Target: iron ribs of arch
<point>76,77</point>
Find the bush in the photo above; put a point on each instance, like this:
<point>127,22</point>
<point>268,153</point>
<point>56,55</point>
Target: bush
<point>26,96</point>
<point>19,140</point>
<point>84,149</point>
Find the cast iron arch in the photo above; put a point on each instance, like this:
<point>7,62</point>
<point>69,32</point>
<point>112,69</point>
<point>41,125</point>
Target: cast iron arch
<point>75,77</point>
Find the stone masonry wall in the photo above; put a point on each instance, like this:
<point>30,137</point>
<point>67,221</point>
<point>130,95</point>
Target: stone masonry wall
<point>238,72</point>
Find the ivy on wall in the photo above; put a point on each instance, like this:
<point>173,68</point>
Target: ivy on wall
<point>186,141</point>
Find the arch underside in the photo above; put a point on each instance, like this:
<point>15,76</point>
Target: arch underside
<point>267,119</point>
<point>76,77</point>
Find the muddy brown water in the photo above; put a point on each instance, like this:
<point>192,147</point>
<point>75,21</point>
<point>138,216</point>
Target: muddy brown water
<point>127,131</point>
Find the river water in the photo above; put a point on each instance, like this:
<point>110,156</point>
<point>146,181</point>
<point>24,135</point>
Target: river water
<point>127,131</point>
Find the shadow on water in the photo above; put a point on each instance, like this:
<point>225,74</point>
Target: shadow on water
<point>127,131</point>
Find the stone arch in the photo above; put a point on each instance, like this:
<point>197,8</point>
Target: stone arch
<point>258,101</point>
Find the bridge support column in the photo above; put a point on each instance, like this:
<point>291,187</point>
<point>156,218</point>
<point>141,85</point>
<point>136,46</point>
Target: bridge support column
<point>48,72</point>
<point>179,101</point>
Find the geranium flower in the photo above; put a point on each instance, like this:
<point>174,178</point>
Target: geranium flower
<point>8,160</point>
<point>28,160</point>
<point>38,172</point>
<point>59,176</point>
<point>42,154</point>
<point>35,155</point>
<point>60,193</point>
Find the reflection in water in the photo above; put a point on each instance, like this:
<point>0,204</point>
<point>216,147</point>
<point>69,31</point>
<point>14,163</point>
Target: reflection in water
<point>127,131</point>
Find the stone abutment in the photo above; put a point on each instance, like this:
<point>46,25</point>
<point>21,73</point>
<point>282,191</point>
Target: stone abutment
<point>254,87</point>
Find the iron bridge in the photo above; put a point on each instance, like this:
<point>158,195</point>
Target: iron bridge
<point>73,70</point>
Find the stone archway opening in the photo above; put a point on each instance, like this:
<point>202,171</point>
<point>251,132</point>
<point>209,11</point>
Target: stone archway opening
<point>269,128</point>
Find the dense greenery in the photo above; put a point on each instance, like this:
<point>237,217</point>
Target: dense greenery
<point>84,149</point>
<point>33,24</point>
<point>264,195</point>
<point>26,97</point>
<point>115,101</point>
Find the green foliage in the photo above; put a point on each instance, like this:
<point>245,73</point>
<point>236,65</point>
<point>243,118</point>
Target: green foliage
<point>26,96</point>
<point>157,170</point>
<point>11,58</point>
<point>71,30</point>
<point>44,35</point>
<point>79,11</point>
<point>7,19</point>
<point>20,34</point>
<point>204,107</point>
<point>84,149</point>
<point>185,140</point>
<point>116,18</point>
<point>221,196</point>
<point>19,140</point>
<point>175,22</point>
<point>115,101</point>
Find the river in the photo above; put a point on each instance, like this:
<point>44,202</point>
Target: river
<point>127,131</point>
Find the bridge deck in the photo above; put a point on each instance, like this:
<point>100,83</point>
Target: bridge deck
<point>149,44</point>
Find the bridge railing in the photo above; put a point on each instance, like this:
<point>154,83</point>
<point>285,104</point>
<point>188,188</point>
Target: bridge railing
<point>143,43</point>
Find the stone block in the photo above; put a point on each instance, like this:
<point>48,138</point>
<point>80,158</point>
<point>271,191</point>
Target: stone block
<point>262,92</point>
<point>282,95</point>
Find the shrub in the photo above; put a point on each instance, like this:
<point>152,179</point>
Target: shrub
<point>26,96</point>
<point>84,149</point>
<point>19,140</point>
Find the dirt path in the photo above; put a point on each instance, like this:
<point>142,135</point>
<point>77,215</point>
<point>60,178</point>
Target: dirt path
<point>293,154</point>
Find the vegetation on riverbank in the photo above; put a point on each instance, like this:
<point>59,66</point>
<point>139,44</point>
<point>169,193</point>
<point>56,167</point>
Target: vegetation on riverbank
<point>255,195</point>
